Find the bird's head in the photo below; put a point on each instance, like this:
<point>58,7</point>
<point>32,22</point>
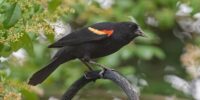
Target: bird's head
<point>132,29</point>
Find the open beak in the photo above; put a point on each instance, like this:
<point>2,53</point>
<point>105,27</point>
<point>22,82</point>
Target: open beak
<point>139,32</point>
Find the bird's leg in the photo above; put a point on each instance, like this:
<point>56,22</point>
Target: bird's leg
<point>102,66</point>
<point>89,61</point>
<point>86,64</point>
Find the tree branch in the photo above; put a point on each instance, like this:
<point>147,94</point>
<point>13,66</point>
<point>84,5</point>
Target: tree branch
<point>114,76</point>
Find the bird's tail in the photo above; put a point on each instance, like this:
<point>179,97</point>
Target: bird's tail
<point>43,73</point>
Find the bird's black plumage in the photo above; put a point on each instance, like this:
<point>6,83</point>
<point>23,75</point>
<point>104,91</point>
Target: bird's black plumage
<point>94,41</point>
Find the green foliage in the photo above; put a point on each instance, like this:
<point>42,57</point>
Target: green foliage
<point>12,15</point>
<point>25,42</point>
<point>195,6</point>
<point>53,4</point>
<point>27,95</point>
<point>148,52</point>
<point>13,90</point>
<point>166,18</point>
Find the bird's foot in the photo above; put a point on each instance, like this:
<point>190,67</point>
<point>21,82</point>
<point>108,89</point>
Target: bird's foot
<point>87,76</point>
<point>101,73</point>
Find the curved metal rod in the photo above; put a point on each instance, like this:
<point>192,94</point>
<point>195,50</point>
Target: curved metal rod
<point>114,76</point>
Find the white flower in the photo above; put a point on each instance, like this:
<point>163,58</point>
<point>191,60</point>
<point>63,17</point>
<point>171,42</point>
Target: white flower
<point>105,4</point>
<point>20,55</point>
<point>151,21</point>
<point>2,59</point>
<point>178,83</point>
<point>196,26</point>
<point>197,15</point>
<point>61,29</point>
<point>184,10</point>
<point>53,98</point>
<point>195,88</point>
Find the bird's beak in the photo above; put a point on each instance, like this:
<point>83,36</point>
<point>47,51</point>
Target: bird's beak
<point>139,32</point>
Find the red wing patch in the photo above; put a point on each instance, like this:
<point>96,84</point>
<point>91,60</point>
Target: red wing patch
<point>101,32</point>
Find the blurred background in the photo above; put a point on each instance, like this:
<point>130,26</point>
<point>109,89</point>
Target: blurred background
<point>163,66</point>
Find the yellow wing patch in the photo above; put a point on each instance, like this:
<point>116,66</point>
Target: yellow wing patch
<point>101,32</point>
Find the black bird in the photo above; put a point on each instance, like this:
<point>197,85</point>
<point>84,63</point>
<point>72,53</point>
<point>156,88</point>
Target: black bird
<point>98,40</point>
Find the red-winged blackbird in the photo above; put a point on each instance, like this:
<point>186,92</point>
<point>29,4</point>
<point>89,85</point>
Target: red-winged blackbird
<point>95,41</point>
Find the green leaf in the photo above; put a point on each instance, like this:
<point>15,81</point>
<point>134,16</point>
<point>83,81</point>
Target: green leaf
<point>23,42</point>
<point>12,15</point>
<point>53,4</point>
<point>166,18</point>
<point>27,95</point>
<point>195,6</point>
<point>16,45</point>
<point>159,53</point>
<point>6,50</point>
<point>27,43</point>
<point>38,8</point>
<point>50,37</point>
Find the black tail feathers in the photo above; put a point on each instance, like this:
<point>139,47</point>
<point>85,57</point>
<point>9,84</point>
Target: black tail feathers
<point>43,73</point>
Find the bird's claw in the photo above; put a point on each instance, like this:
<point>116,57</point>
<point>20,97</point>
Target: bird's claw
<point>86,76</point>
<point>101,73</point>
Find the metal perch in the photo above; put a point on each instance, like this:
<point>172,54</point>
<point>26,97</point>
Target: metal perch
<point>114,76</point>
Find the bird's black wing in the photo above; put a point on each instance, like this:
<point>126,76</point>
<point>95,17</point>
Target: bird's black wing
<point>95,32</point>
